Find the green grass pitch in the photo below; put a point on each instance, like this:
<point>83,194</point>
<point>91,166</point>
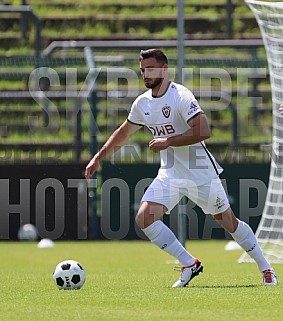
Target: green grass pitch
<point>131,281</point>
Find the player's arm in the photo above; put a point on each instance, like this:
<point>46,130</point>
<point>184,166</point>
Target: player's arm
<point>198,131</point>
<point>114,142</point>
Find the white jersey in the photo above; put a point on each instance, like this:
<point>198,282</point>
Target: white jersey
<point>167,116</point>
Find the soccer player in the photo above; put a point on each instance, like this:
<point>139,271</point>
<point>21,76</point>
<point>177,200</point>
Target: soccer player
<point>179,127</point>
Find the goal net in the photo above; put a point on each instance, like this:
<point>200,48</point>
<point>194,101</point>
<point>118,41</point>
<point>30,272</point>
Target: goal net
<point>269,17</point>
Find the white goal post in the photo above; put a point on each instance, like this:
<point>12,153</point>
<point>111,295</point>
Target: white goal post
<point>269,16</point>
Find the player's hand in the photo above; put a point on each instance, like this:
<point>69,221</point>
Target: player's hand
<point>281,109</point>
<point>158,144</point>
<point>91,168</point>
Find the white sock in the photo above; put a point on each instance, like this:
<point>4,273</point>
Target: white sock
<point>245,237</point>
<point>164,238</point>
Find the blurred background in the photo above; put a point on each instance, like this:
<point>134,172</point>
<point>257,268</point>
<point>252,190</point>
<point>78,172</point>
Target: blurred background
<point>69,72</point>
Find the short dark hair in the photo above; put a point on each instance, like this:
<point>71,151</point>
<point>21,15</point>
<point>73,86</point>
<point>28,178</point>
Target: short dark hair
<point>154,53</point>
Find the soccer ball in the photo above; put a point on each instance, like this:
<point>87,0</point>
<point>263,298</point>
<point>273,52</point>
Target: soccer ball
<point>27,232</point>
<point>69,275</point>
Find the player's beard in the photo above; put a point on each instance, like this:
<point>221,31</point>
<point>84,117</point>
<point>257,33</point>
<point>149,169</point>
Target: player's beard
<point>155,83</point>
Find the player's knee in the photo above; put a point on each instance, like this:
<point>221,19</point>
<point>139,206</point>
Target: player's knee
<point>148,213</point>
<point>141,220</point>
<point>144,218</point>
<point>227,220</point>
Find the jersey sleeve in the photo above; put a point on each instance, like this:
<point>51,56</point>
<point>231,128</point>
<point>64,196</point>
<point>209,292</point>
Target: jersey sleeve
<point>135,115</point>
<point>189,105</point>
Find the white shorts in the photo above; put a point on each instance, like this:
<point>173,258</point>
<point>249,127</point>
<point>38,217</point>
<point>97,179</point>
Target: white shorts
<point>210,197</point>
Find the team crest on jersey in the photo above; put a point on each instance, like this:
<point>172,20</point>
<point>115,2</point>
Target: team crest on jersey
<point>166,111</point>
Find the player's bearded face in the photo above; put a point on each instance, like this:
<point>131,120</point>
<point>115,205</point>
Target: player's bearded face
<point>152,83</point>
<point>151,72</point>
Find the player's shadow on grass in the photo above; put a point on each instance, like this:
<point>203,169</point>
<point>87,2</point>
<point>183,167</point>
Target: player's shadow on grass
<point>224,286</point>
